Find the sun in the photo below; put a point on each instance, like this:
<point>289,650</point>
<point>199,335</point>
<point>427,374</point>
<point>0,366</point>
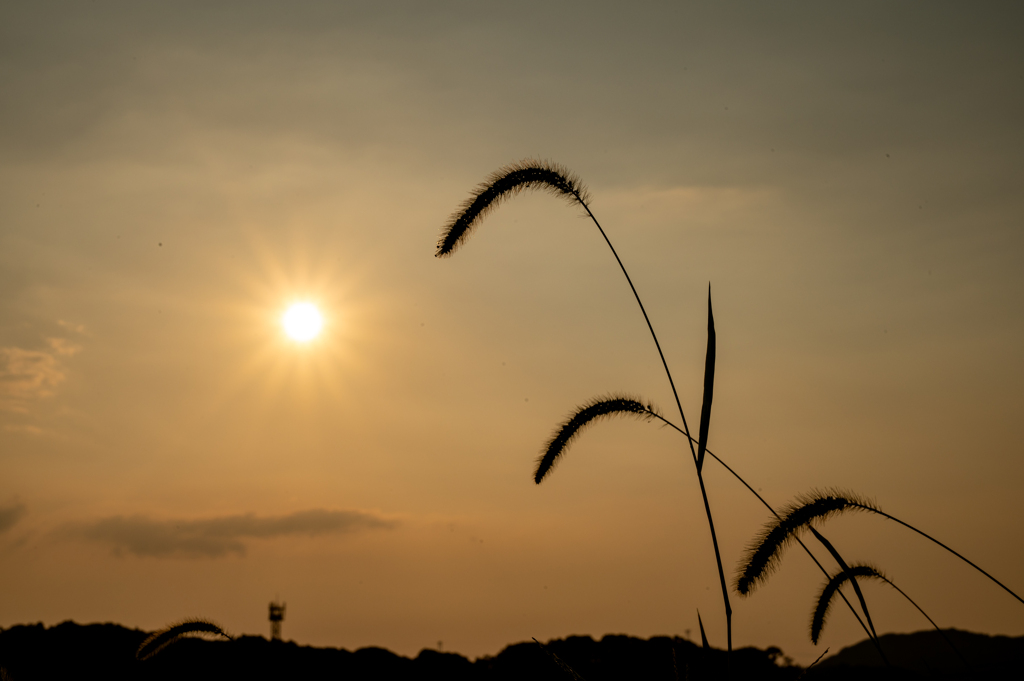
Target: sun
<point>302,321</point>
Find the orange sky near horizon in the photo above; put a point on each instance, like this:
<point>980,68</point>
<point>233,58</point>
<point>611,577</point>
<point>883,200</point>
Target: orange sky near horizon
<point>846,178</point>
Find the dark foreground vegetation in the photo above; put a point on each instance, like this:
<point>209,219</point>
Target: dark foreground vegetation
<point>70,650</point>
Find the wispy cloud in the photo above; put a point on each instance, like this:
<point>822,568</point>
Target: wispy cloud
<point>9,515</point>
<point>62,346</point>
<point>23,428</point>
<point>213,537</point>
<point>30,375</point>
<point>71,326</point>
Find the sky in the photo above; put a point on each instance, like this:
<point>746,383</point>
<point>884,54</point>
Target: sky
<point>846,177</point>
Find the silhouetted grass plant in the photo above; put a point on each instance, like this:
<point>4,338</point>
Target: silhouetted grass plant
<point>532,174</point>
<point>863,571</point>
<point>626,405</point>
<point>160,640</point>
<point>764,554</point>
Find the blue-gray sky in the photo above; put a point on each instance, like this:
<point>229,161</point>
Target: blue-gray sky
<point>848,178</point>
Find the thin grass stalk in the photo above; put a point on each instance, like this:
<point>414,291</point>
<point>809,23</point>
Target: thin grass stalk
<point>627,405</point>
<point>808,667</point>
<point>764,555</point>
<point>921,610</point>
<point>927,536</point>
<point>479,206</point>
<point>650,327</point>
<point>822,607</point>
<point>772,510</point>
<point>686,428</point>
<point>765,552</point>
<point>856,588</point>
<point>702,445</point>
<point>558,661</point>
<point>831,586</point>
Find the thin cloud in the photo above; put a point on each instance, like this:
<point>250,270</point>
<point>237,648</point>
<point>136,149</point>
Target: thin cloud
<point>62,346</point>
<point>9,515</point>
<point>30,375</point>
<point>23,428</point>
<point>71,326</point>
<point>27,375</point>
<point>215,537</point>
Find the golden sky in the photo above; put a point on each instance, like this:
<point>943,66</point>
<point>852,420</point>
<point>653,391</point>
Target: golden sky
<point>173,176</point>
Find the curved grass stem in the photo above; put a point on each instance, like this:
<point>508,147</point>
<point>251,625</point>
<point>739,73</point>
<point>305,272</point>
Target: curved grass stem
<point>936,541</point>
<point>772,510</point>
<point>686,428</point>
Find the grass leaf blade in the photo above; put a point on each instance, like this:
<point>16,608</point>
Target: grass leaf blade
<point>709,388</point>
<point>703,637</point>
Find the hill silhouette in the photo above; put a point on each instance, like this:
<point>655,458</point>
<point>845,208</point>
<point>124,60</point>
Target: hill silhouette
<point>925,655</point>
<point>70,650</point>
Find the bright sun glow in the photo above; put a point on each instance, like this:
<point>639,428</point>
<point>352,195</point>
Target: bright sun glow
<point>302,321</point>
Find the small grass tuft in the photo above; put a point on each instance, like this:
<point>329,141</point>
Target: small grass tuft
<point>159,640</point>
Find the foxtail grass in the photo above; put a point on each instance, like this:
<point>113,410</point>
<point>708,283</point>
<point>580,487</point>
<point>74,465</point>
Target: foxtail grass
<point>584,416</point>
<point>529,174</point>
<point>856,589</point>
<point>764,553</point>
<point>159,640</point>
<point>501,185</point>
<point>863,571</point>
<point>824,602</point>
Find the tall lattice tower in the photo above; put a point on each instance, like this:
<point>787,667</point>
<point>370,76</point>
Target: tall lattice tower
<point>276,616</point>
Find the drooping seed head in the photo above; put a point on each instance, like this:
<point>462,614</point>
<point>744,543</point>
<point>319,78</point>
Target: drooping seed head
<point>824,602</point>
<point>159,640</point>
<point>764,553</point>
<point>601,407</point>
<point>502,184</point>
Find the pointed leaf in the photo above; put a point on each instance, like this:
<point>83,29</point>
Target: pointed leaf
<point>709,389</point>
<point>703,636</point>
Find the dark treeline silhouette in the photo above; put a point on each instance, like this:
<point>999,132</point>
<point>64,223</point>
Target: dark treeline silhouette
<point>70,650</point>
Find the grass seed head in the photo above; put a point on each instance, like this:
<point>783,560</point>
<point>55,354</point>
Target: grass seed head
<point>502,184</point>
<point>764,554</point>
<point>159,640</point>
<point>584,416</point>
<point>828,591</point>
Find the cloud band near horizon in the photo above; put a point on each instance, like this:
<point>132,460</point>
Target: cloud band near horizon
<point>216,537</point>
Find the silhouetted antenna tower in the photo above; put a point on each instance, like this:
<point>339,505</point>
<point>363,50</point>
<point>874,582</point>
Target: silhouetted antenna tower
<point>276,615</point>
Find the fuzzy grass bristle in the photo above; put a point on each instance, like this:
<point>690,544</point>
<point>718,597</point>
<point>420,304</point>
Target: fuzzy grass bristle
<point>596,409</point>
<point>763,555</point>
<point>828,591</point>
<point>159,640</point>
<point>503,184</point>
